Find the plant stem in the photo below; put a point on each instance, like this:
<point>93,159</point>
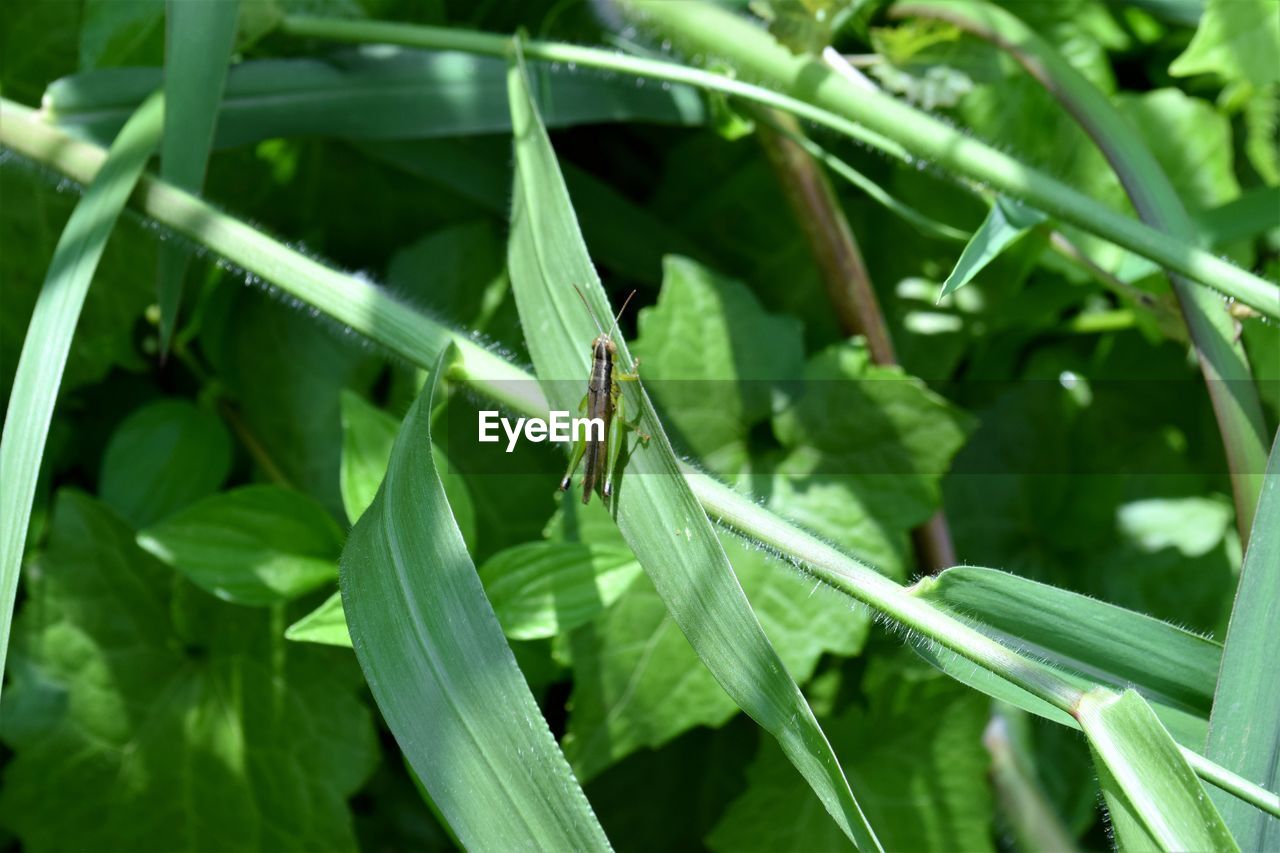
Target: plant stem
<point>823,97</point>
<point>373,312</point>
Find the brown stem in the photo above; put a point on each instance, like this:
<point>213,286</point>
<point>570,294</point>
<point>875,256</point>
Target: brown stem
<point>845,274</point>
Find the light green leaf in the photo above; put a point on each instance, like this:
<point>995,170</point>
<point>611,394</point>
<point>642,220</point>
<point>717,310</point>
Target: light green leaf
<point>162,457</point>
<point>918,766</point>
<point>541,589</point>
<point>1005,224</point>
<point>327,625</point>
<point>147,715</point>
<point>1144,766</point>
<point>1244,728</point>
<point>713,361</point>
<point>1190,140</point>
<point>44,352</point>
<point>441,671</point>
<point>805,26</point>
<point>1262,128</point>
<point>368,434</point>
<point>1095,639</point>
<point>198,41</point>
<point>252,545</point>
<point>1237,40</point>
<point>667,530</point>
<point>639,684</point>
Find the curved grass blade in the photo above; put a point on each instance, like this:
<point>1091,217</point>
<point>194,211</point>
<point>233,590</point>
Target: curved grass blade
<point>198,40</point>
<point>1244,728</point>
<point>442,673</point>
<point>1144,767</point>
<point>391,94</point>
<point>1109,644</point>
<point>658,515</point>
<point>48,341</point>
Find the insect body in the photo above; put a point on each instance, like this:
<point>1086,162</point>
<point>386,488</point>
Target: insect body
<point>604,401</point>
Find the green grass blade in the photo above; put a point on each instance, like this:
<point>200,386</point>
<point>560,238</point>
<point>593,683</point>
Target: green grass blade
<point>1148,770</point>
<point>399,94</point>
<point>48,341</point>
<point>443,675</point>
<point>198,40</point>
<point>1244,728</point>
<point>1109,644</point>
<point>658,515</point>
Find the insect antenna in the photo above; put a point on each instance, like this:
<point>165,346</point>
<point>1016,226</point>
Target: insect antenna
<point>583,297</point>
<point>625,302</point>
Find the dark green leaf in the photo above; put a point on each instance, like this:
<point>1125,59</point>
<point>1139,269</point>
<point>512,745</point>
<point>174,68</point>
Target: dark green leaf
<point>122,32</point>
<point>253,545</point>
<point>161,458</point>
<point>147,715</point>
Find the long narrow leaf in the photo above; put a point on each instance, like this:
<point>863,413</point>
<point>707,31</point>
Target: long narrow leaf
<point>1244,729</point>
<point>198,40</point>
<point>1110,644</point>
<point>48,341</point>
<point>1005,223</point>
<point>390,94</point>
<point>441,672</point>
<point>658,515</point>
<point>1148,771</point>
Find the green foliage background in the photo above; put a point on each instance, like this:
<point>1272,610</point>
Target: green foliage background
<point>153,700</point>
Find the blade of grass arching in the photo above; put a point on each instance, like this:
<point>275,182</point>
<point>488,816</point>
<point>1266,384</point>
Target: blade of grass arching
<point>1244,728</point>
<point>441,672</point>
<point>1098,640</point>
<point>667,530</point>
<point>48,341</point>
<point>820,95</point>
<point>1222,360</point>
<point>392,94</point>
<point>370,311</point>
<point>197,46</point>
<point>1143,765</point>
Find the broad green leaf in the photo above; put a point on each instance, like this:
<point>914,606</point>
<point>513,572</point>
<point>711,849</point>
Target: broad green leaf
<point>1115,646</point>
<point>1146,768</point>
<point>368,434</point>
<point>286,373</point>
<point>866,450</point>
<point>541,589</point>
<point>48,340</point>
<point>389,93</point>
<point>714,360</point>
<point>918,767</point>
<point>198,41</point>
<point>327,625</point>
<point>1190,140</point>
<point>1244,728</point>
<point>442,673</point>
<point>39,43</point>
<point>1005,224</point>
<point>637,682</point>
<point>254,545</point>
<point>667,530</point>
<point>1236,40</point>
<point>1262,126</point>
<point>147,715</point>
<point>161,458</point>
<point>122,32</point>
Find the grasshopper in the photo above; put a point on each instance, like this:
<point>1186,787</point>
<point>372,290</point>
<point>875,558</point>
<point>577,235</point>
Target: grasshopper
<point>604,401</point>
